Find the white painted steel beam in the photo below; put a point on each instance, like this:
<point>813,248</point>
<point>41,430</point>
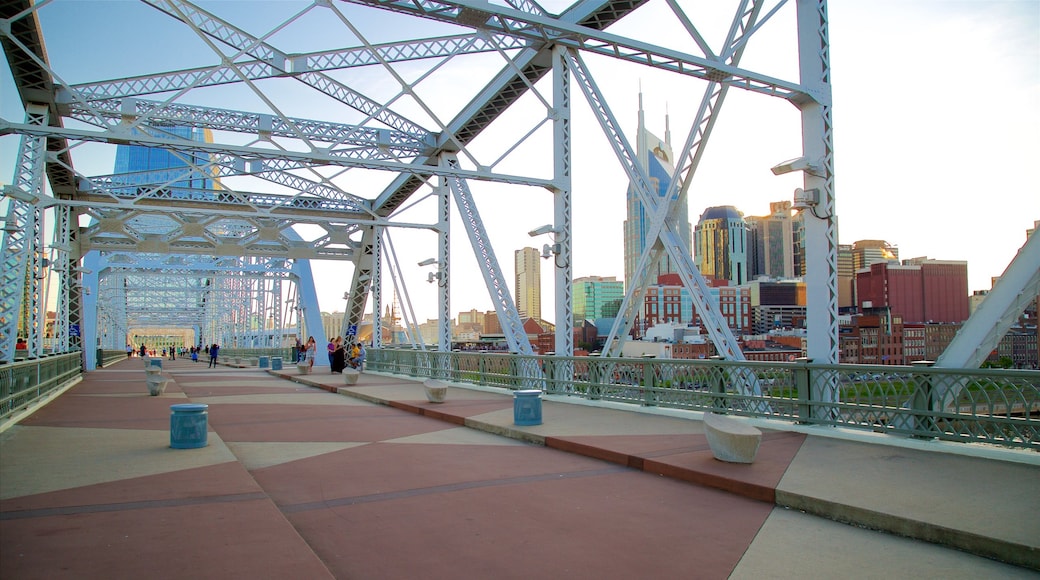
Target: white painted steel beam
<point>1018,286</point>
<point>508,316</point>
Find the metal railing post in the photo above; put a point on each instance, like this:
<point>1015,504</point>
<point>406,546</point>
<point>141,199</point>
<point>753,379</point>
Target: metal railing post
<point>718,387</point>
<point>649,382</point>
<point>921,401</point>
<point>549,369</point>
<point>595,372</point>
<point>802,382</point>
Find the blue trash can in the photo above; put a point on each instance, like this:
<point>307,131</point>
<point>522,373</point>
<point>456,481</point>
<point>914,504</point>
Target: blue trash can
<point>276,363</point>
<point>188,425</point>
<point>527,407</point>
<point>155,362</point>
<point>264,362</point>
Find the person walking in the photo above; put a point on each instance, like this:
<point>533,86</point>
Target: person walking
<point>309,351</point>
<point>129,350</point>
<point>214,350</point>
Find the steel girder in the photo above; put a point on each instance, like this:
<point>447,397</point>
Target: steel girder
<point>820,225</point>
<point>315,62</point>
<point>1014,290</point>
<point>662,235</point>
<point>22,247</point>
<point>579,28</point>
<point>508,317</point>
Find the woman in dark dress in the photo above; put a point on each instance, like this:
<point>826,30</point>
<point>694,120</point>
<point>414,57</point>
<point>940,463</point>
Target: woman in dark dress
<point>339,356</point>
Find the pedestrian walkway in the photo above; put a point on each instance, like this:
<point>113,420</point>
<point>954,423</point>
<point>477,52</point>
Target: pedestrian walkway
<point>300,481</point>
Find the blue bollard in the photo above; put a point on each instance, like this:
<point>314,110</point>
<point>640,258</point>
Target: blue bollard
<point>276,363</point>
<point>188,425</point>
<point>527,407</point>
<point>264,362</point>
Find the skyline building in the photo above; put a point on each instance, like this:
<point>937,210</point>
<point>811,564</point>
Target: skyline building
<point>771,243</point>
<point>868,252</point>
<point>918,290</point>
<point>655,156</point>
<point>846,277</point>
<point>721,242</point>
<point>528,287</point>
<point>597,297</point>
<point>156,165</point>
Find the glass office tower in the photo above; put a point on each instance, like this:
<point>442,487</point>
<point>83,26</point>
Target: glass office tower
<point>655,156</point>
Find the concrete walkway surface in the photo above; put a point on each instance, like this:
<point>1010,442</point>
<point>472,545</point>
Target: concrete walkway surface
<point>303,477</point>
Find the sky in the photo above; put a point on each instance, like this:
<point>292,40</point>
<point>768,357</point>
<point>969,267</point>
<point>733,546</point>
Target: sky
<point>936,126</point>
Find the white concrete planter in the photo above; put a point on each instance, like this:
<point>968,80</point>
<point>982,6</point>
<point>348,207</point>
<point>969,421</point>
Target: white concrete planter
<point>731,440</point>
<point>350,376</point>
<point>156,385</point>
<point>436,391</point>
<point>303,368</point>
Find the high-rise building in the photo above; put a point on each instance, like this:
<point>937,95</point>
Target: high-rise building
<point>846,277</point>
<point>798,227</point>
<point>528,286</point>
<point>666,302</point>
<point>919,290</point>
<point>721,236</point>
<point>867,252</point>
<point>597,297</point>
<point>771,243</point>
<point>154,165</point>
<point>654,155</point>
<point>777,305</point>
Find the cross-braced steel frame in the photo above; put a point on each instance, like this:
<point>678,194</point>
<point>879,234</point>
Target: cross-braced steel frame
<point>227,258</point>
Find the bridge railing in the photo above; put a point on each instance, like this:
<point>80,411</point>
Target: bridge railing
<point>23,383</point>
<point>109,357</point>
<point>968,405</point>
<point>251,353</point>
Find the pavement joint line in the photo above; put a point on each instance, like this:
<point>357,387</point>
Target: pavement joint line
<point>437,489</point>
<point>130,506</point>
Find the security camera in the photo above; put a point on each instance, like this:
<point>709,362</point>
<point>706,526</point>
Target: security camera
<point>546,229</point>
<point>805,198</point>
<point>428,262</point>
<point>796,164</point>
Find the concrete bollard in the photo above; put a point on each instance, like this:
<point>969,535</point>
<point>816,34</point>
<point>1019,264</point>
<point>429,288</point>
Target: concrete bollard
<point>350,376</point>
<point>527,407</point>
<point>188,425</point>
<point>436,391</point>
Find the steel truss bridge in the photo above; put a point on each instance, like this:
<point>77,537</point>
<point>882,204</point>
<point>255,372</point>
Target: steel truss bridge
<point>394,144</point>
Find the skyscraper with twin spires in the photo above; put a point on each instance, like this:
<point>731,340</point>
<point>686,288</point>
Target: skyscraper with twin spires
<point>655,156</point>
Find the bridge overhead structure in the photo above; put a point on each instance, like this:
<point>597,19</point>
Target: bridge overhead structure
<point>335,152</point>
<point>334,127</point>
